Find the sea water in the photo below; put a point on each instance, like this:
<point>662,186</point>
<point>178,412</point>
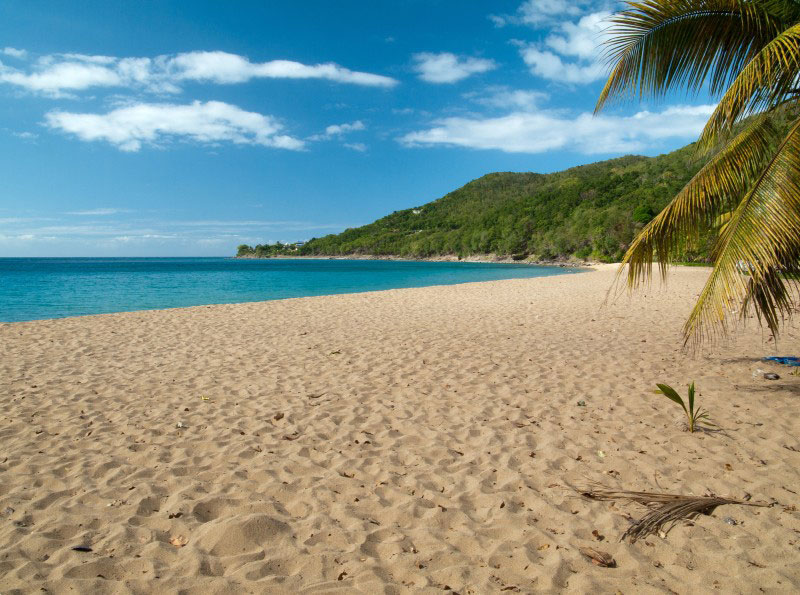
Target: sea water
<point>36,288</point>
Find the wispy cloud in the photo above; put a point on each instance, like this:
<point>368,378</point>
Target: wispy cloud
<point>234,223</point>
<point>222,67</point>
<point>338,131</point>
<point>128,128</point>
<point>218,225</point>
<point>540,131</point>
<point>59,78</point>
<point>449,68</point>
<point>14,53</point>
<point>103,212</point>
<point>538,13</point>
<point>56,75</point>
<point>22,220</point>
<point>507,98</point>
<point>154,232</point>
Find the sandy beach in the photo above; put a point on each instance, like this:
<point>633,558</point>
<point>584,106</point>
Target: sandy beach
<point>413,440</point>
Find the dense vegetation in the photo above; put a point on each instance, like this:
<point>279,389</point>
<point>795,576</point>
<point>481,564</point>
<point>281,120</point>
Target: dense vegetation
<point>587,212</point>
<point>268,250</point>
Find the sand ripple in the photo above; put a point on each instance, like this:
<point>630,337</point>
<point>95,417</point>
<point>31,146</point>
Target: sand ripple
<point>410,440</point>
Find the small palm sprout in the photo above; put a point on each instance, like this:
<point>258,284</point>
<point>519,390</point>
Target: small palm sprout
<point>697,418</point>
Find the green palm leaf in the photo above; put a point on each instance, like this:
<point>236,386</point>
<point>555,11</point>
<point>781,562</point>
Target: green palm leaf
<point>672,395</point>
<point>763,235</point>
<point>749,191</point>
<point>707,195</point>
<point>764,83</point>
<point>658,45</point>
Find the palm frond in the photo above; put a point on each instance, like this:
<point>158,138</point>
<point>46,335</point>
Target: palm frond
<point>657,45</point>
<point>764,83</point>
<point>722,221</point>
<point>711,192</point>
<point>665,509</point>
<point>768,294</point>
<point>763,238</point>
<point>786,11</point>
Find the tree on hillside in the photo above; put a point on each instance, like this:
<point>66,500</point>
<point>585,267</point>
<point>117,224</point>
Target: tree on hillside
<point>747,54</point>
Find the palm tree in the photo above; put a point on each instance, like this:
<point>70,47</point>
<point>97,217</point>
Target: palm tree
<point>747,54</point>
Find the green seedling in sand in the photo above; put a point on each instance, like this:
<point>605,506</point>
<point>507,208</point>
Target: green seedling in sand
<point>697,418</point>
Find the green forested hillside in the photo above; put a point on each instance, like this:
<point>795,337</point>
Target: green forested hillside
<point>591,211</point>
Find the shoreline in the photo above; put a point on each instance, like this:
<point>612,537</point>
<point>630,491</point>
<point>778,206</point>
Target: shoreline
<point>282,299</point>
<point>480,258</point>
<point>389,441</point>
<point>358,291</point>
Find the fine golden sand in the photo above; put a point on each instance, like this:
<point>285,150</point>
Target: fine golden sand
<point>414,440</point>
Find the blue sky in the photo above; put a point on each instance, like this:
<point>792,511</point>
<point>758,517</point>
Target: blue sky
<point>167,128</point>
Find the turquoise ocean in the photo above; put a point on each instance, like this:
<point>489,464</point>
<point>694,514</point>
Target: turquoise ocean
<point>38,288</point>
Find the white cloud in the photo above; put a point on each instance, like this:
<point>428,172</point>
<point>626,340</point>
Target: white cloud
<point>360,147</point>
<point>549,66</point>
<point>338,130</point>
<point>222,67</point>
<point>537,132</point>
<point>60,74</point>
<point>128,128</point>
<point>534,12</point>
<point>537,13</point>
<point>581,39</point>
<point>572,53</point>
<point>54,79</point>
<point>14,53</point>
<point>25,135</point>
<point>449,68</point>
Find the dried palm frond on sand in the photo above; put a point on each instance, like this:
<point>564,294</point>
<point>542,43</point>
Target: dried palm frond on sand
<point>666,509</point>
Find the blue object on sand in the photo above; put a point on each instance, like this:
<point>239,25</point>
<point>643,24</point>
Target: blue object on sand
<point>786,361</point>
